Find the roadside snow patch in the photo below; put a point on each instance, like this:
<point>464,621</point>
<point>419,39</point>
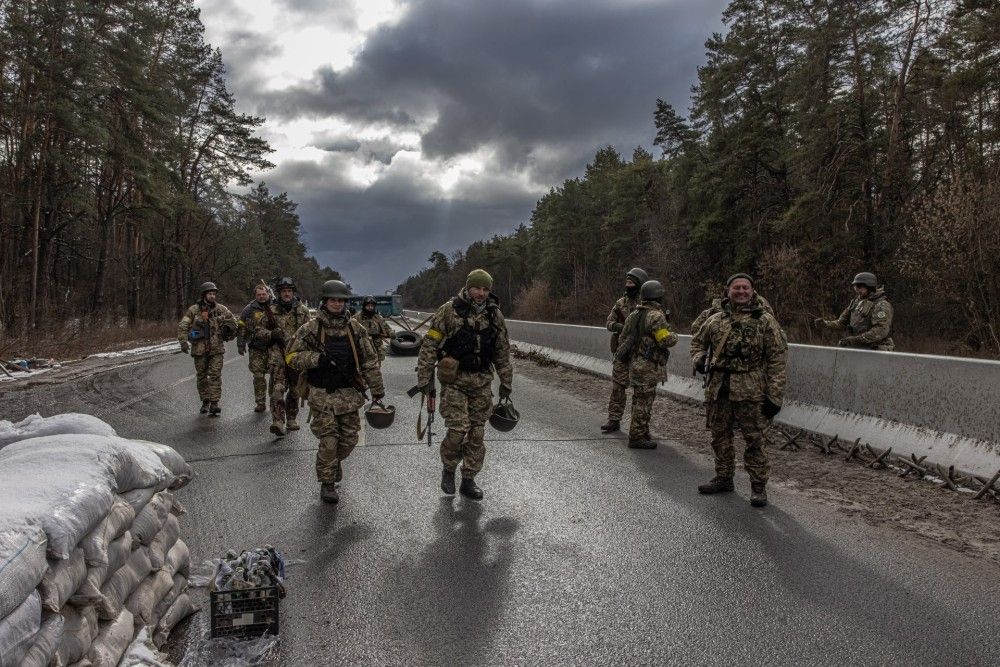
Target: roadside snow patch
<point>167,346</point>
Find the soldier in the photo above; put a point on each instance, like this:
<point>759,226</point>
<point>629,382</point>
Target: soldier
<point>743,351</point>
<point>644,347</point>
<point>340,364</point>
<point>716,307</point>
<point>619,370</point>
<point>282,318</point>
<point>375,324</point>
<point>203,331</point>
<point>253,334</point>
<point>868,318</point>
<point>467,340</point>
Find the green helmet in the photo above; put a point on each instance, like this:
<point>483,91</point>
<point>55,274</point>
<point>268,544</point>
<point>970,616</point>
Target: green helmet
<point>637,275</point>
<point>866,279</point>
<point>369,299</point>
<point>380,416</point>
<point>335,289</point>
<point>283,282</point>
<point>207,287</point>
<point>651,290</point>
<point>505,416</point>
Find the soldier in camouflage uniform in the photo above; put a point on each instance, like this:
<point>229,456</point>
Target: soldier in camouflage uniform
<point>746,383</point>
<point>340,364</point>
<point>255,336</point>
<point>203,331</point>
<point>376,325</point>
<point>283,318</point>
<point>467,339</point>
<point>867,319</point>
<point>619,370</point>
<point>716,307</point>
<point>645,347</point>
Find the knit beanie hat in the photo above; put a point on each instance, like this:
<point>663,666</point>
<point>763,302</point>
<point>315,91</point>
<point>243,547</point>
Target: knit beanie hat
<point>479,278</point>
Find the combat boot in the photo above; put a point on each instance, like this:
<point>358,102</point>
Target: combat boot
<point>448,482</point>
<point>612,426</point>
<point>213,408</point>
<point>758,494</point>
<point>338,473</point>
<point>328,493</point>
<point>292,425</point>
<point>260,407</point>
<point>642,442</point>
<point>277,428</point>
<point>470,489</point>
<point>717,485</point>
<point>204,408</point>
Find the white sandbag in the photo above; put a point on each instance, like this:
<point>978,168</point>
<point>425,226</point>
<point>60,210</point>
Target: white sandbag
<point>143,653</point>
<point>149,520</point>
<point>143,600</point>
<point>121,585</point>
<point>46,642</point>
<point>89,591</point>
<point>62,579</point>
<point>22,564</point>
<point>36,426</point>
<point>174,462</point>
<point>95,543</point>
<point>79,631</point>
<point>179,584</point>
<point>178,611</point>
<point>18,629</point>
<point>164,540</point>
<point>138,498</point>
<point>114,637</point>
<point>178,559</point>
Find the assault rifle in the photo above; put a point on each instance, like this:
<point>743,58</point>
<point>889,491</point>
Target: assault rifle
<point>271,322</point>
<point>626,348</point>
<point>707,365</point>
<point>431,398</point>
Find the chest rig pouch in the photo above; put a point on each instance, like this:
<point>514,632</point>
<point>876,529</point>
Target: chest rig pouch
<point>744,347</point>
<point>472,345</point>
<point>341,375</point>
<point>861,317</point>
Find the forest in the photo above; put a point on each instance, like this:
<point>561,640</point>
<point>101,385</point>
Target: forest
<point>125,170</point>
<point>823,138</point>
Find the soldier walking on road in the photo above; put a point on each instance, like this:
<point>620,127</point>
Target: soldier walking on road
<point>743,351</point>
<point>254,335</point>
<point>282,318</point>
<point>467,340</point>
<point>867,319</point>
<point>203,331</point>
<point>645,347</point>
<point>375,324</point>
<point>340,364</point>
<point>619,370</point>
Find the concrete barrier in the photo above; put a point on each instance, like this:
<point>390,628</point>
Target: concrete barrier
<point>941,407</point>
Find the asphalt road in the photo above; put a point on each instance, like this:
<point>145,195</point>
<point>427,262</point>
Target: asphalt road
<point>582,552</point>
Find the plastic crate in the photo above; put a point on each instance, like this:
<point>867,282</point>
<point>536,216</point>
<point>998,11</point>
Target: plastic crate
<point>245,613</point>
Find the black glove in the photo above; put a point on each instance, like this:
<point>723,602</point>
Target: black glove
<point>278,336</point>
<point>702,364</point>
<point>617,327</point>
<point>847,342</point>
<point>325,361</point>
<point>377,397</point>
<point>769,408</point>
<point>185,347</point>
<point>504,392</point>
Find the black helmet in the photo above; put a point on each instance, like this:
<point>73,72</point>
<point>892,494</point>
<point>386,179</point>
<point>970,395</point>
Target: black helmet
<point>283,282</point>
<point>505,416</point>
<point>335,289</point>
<point>369,299</point>
<point>651,290</point>
<point>380,416</point>
<point>866,279</point>
<point>207,287</point>
<point>638,275</point>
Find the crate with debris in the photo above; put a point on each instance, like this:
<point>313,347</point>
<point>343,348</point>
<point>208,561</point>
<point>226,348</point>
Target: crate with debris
<point>245,613</point>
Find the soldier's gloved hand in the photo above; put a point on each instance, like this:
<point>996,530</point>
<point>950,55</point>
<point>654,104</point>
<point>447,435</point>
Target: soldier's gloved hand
<point>819,321</point>
<point>769,408</point>
<point>377,397</point>
<point>701,364</point>
<point>242,349</point>
<point>278,336</point>
<point>185,347</point>
<point>847,342</point>
<point>617,327</point>
<point>504,392</point>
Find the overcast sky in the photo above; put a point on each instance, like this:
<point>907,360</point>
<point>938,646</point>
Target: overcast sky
<point>405,127</point>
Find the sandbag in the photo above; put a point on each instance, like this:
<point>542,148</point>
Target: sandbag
<point>178,559</point>
<point>164,540</point>
<point>142,653</point>
<point>149,520</point>
<point>138,498</point>
<point>35,426</point>
<point>178,611</point>
<point>18,629</point>
<point>174,462</point>
<point>22,564</point>
<point>143,600</point>
<point>62,579</point>
<point>79,631</point>
<point>95,543</point>
<point>121,585</point>
<point>89,591</point>
<point>179,585</point>
<point>46,642</point>
<point>112,640</point>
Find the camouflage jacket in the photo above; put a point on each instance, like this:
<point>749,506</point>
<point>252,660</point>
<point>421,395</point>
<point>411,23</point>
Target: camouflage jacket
<point>749,353</point>
<point>616,318</point>
<point>716,307</point>
<point>208,320</point>
<point>306,346</point>
<point>255,324</point>
<point>378,329</point>
<point>648,364</point>
<point>868,322</point>
<point>446,325</point>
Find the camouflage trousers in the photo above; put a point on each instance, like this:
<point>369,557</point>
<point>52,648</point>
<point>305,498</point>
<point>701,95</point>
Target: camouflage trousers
<point>284,391</point>
<point>619,382</point>
<point>465,416</point>
<point>723,415</point>
<point>642,410</point>
<point>258,368</point>
<point>338,435</point>
<point>208,368</point>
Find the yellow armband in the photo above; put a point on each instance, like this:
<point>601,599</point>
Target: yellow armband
<point>660,334</point>
<point>289,357</point>
<point>435,335</point>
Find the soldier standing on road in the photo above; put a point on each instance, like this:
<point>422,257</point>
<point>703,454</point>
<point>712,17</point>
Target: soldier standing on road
<point>619,370</point>
<point>867,319</point>
<point>254,335</point>
<point>467,340</point>
<point>744,351</point>
<point>203,331</point>
<point>375,324</point>
<point>282,319</point>
<point>340,364</point>
<point>716,307</point>
<point>645,347</point>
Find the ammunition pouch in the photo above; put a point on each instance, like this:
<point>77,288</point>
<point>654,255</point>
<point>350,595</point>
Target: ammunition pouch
<point>447,369</point>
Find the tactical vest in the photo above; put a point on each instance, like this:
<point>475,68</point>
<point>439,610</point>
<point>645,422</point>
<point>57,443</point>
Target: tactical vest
<point>861,316</point>
<point>339,376</point>
<point>472,347</point>
<point>744,345</point>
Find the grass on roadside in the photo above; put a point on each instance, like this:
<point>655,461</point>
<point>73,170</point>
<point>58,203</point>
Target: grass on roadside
<point>77,339</point>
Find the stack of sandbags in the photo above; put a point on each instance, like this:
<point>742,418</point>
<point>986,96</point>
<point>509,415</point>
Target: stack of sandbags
<point>90,548</point>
